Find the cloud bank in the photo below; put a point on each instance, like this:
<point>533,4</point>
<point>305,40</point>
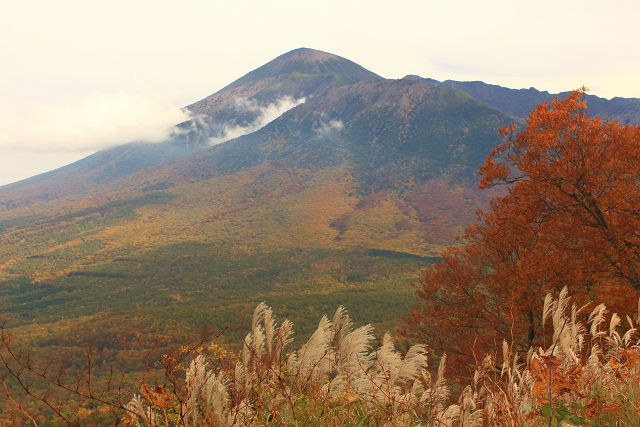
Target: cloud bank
<point>265,115</point>
<point>93,123</point>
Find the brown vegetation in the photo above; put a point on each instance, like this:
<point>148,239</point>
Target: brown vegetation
<point>570,218</point>
<point>588,374</point>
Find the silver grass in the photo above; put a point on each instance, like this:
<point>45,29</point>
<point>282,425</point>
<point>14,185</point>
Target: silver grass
<point>560,309</point>
<point>547,308</point>
<point>257,343</point>
<point>312,362</point>
<point>352,349</point>
<point>441,388</point>
<point>529,355</point>
<point>258,315</point>
<point>468,405</point>
<point>386,360</point>
<point>135,405</point>
<point>515,369</point>
<point>613,324</point>
<point>349,356</point>
<point>580,341</point>
<point>341,324</point>
<point>385,363</point>
<point>487,363</point>
<point>568,332</point>
<point>596,318</point>
<point>269,329</point>
<point>451,416</point>
<point>474,419</point>
<point>413,364</point>
<point>247,349</point>
<point>263,340</point>
<point>241,414</point>
<point>240,377</point>
<point>433,393</point>
<point>351,364</point>
<point>629,335</point>
<point>630,321</point>
<point>391,375</point>
<point>577,331</point>
<point>560,322</point>
<point>284,337</point>
<point>593,361</point>
<point>254,343</point>
<point>151,416</point>
<point>338,362</point>
<point>217,397</point>
<point>505,356</point>
<point>614,340</point>
<point>195,378</point>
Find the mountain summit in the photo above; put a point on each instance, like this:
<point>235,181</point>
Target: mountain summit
<point>304,62</point>
<point>296,74</point>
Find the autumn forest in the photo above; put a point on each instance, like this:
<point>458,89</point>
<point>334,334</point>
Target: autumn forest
<point>384,252</point>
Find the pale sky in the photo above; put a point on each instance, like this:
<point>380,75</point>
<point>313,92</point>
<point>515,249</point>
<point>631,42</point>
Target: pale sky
<point>77,76</point>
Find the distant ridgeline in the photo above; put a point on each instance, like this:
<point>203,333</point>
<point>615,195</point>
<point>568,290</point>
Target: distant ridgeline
<point>519,102</point>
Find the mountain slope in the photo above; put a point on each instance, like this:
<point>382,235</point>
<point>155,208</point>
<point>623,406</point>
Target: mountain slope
<point>391,132</point>
<point>341,200</point>
<point>293,75</point>
<point>519,102</point>
<point>97,169</point>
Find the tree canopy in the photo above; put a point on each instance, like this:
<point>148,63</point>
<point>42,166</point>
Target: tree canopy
<point>570,216</point>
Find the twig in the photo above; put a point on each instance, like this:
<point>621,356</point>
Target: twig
<point>6,391</point>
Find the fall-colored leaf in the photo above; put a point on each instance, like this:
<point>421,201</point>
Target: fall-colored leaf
<point>158,396</point>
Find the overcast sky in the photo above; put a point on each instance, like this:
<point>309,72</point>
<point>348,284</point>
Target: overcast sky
<point>78,76</point>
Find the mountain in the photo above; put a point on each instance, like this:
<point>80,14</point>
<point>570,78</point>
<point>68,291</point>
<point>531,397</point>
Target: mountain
<point>341,200</point>
<point>293,76</point>
<point>392,133</point>
<point>297,74</point>
<point>519,102</point>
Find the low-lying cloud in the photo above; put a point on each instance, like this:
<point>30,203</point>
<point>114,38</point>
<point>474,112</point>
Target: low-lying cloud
<point>264,116</point>
<point>90,124</point>
<point>38,138</point>
<point>329,127</point>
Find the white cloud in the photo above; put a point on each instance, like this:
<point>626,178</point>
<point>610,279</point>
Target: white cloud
<point>92,123</point>
<point>326,128</point>
<point>265,115</point>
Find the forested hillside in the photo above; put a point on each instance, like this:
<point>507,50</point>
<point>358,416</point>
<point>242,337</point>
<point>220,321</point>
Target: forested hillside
<point>354,192</point>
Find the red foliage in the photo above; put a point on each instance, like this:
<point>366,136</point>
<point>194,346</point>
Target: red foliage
<point>571,216</point>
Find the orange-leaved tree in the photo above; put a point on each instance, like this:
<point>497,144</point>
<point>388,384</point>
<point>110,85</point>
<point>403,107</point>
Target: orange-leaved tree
<point>570,216</point>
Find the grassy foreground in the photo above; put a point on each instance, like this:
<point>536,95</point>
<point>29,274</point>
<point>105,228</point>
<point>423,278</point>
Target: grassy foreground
<point>589,375</point>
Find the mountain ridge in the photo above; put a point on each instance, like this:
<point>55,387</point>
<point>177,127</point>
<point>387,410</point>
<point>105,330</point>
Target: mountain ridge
<point>519,102</point>
<point>219,111</point>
